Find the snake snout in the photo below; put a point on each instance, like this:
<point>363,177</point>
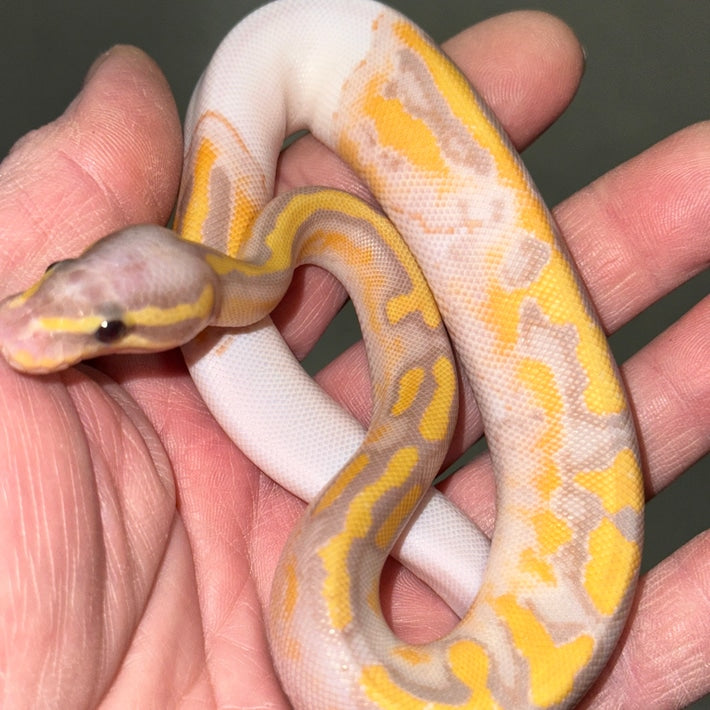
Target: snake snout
<point>21,344</point>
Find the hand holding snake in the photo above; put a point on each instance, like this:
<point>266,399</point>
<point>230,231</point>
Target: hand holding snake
<point>86,406</point>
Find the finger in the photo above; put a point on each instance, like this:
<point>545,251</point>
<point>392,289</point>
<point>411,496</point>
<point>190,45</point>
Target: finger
<point>669,385</point>
<point>663,658</point>
<point>112,158</point>
<point>642,229</point>
<point>526,65</point>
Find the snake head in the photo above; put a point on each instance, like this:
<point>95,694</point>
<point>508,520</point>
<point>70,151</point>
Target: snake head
<point>124,294</point>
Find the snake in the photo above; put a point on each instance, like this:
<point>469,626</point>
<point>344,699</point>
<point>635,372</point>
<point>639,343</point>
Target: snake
<point>460,252</point>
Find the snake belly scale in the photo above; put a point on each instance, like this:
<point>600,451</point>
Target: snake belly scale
<point>566,549</point>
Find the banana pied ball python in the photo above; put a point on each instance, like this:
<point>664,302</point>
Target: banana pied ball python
<point>566,549</point>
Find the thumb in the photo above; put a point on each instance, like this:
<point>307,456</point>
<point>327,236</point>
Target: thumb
<point>113,158</point>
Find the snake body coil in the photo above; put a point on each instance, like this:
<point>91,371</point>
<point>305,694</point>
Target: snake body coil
<point>566,549</point>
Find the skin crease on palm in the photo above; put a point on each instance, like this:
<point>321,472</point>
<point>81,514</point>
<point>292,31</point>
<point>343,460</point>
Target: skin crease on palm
<point>139,544</point>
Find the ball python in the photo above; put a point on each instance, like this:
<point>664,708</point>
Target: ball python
<point>483,266</point>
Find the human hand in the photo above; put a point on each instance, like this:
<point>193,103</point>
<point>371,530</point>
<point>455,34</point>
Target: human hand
<point>112,593</point>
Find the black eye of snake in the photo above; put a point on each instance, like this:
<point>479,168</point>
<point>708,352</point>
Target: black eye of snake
<point>109,331</point>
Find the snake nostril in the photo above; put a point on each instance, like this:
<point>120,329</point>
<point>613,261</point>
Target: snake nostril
<point>109,331</point>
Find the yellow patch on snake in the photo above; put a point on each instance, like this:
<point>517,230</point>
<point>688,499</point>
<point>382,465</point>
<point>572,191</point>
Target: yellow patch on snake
<point>180,312</point>
<point>551,532</point>
<point>612,565</point>
<point>286,590</point>
<point>530,563</point>
<point>548,478</point>
<point>409,384</point>
<point>358,523</point>
<point>411,654</point>
<point>351,471</point>
<point>405,304</point>
<point>471,665</point>
<point>221,264</point>
<point>552,668</point>
<point>434,423</point>
<point>28,360</point>
<point>198,207</point>
<point>62,324</point>
<point>398,130</point>
<point>469,662</point>
<point>539,379</point>
<point>387,532</point>
<point>290,589</point>
<point>615,486</point>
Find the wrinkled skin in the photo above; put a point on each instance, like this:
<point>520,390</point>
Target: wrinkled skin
<point>138,544</point>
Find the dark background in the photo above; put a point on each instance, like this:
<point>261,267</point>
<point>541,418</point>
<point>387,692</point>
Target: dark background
<point>647,76</point>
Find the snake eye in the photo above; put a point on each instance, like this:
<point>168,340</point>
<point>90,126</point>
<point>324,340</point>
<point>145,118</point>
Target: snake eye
<point>109,331</point>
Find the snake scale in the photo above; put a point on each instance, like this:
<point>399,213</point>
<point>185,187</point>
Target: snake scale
<point>483,265</point>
